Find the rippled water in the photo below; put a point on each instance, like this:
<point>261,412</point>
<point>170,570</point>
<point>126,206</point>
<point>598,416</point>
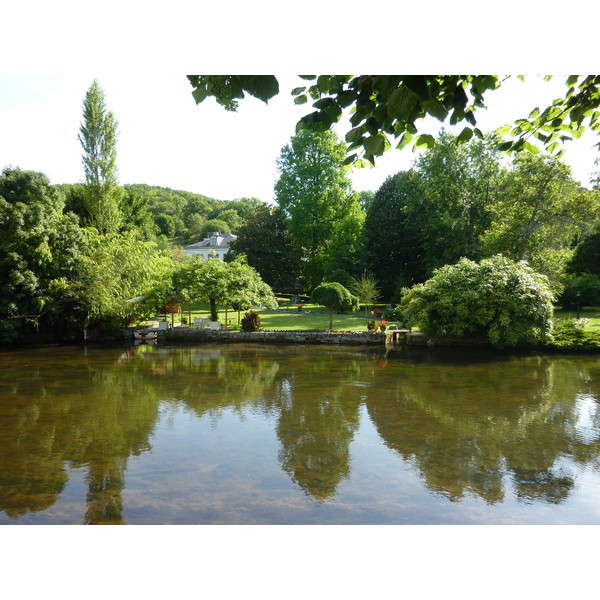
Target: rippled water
<point>248,434</point>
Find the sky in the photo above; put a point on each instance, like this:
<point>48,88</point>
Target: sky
<point>165,139</point>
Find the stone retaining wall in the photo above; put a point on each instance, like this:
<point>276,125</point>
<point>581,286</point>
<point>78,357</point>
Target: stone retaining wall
<point>204,336</point>
<point>195,335</point>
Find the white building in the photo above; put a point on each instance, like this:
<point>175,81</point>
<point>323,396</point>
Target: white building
<point>215,242</point>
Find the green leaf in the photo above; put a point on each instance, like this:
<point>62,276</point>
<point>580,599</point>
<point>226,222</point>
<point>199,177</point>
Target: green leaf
<point>576,115</point>
<point>323,103</point>
<point>200,94</point>
<point>504,146</point>
<point>298,90</point>
<point>375,145</point>
<point>401,103</point>
<point>424,141</point>
<point>552,147</point>
<point>465,135</point>
<point>346,98</point>
<point>301,99</point>
<point>418,84</point>
<point>404,140</point>
<point>505,129</point>
<point>436,109</point>
<point>518,145</point>
<point>307,77</point>
<point>530,148</point>
<point>333,111</point>
<point>263,87</point>
<point>355,134</point>
<point>470,117</point>
<point>323,83</point>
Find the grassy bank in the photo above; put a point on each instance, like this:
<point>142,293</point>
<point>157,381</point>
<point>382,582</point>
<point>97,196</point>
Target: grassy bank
<point>570,333</point>
<point>591,315</point>
<point>312,318</point>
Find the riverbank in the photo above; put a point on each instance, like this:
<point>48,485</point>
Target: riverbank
<point>197,335</point>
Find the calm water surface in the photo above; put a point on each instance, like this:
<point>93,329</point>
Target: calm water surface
<point>247,434</point>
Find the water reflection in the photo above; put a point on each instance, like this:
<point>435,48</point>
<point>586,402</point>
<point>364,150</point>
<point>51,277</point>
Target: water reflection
<point>468,425</point>
<point>472,424</point>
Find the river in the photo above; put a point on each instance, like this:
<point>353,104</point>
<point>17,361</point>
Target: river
<point>276,434</point>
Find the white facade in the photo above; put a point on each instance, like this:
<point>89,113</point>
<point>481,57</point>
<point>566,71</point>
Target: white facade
<point>217,243</point>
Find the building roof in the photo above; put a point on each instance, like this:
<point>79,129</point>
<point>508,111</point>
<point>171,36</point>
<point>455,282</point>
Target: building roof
<point>215,240</point>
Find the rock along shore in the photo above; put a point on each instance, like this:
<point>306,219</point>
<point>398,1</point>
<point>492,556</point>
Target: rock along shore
<point>200,336</point>
<point>195,335</point>
<point>190,334</point>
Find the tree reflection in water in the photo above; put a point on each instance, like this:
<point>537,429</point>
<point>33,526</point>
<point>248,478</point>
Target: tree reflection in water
<point>472,424</point>
<point>467,424</point>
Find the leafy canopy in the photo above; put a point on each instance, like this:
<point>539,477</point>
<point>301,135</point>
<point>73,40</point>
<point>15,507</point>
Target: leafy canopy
<point>389,106</point>
<point>315,193</point>
<point>230,283</point>
<point>266,242</point>
<point>498,299</point>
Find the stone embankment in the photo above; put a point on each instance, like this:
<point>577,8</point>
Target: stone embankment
<point>189,334</point>
<point>200,336</point>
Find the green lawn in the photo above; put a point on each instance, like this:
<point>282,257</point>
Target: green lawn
<point>276,320</point>
<point>314,318</point>
<point>592,313</point>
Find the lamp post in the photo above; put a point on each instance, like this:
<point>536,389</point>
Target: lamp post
<point>578,305</point>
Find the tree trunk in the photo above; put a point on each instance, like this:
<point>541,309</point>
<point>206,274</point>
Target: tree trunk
<point>213,309</point>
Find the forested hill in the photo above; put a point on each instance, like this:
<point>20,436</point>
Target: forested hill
<point>189,216</point>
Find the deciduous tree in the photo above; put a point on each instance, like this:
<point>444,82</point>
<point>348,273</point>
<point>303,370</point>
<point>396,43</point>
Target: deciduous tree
<point>394,233</point>
<point>333,295</point>
<point>215,280</point>
<point>266,243</point>
<point>316,194</point>
<point>586,256</point>
<point>39,251</point>
<point>391,106</point>
<point>538,214</point>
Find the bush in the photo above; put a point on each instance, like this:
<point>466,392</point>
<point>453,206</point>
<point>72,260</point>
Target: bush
<point>251,321</point>
<point>394,314</point>
<point>500,300</point>
<point>572,334</point>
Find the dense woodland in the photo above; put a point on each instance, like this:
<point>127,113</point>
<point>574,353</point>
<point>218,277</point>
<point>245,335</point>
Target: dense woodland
<point>74,256</point>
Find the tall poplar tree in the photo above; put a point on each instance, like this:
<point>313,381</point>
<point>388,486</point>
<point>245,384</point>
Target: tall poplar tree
<point>98,137</point>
